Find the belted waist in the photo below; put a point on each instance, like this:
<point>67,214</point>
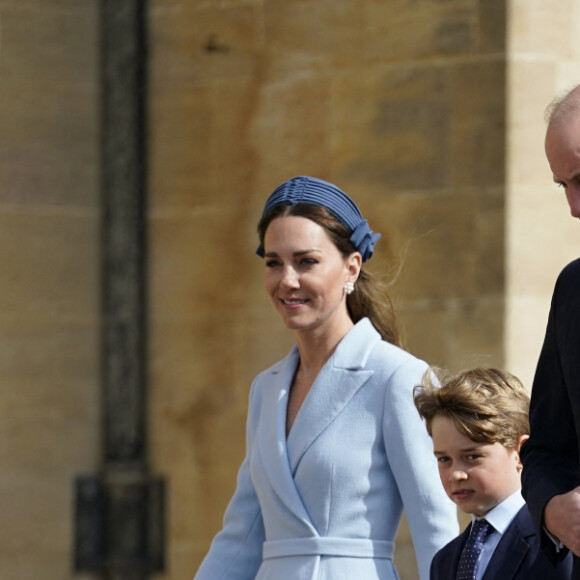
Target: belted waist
<point>328,546</point>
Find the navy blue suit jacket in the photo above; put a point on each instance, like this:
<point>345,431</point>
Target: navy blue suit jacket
<point>551,455</point>
<point>517,556</point>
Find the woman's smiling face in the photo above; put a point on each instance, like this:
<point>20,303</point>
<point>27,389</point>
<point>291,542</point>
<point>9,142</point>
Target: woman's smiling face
<point>305,274</point>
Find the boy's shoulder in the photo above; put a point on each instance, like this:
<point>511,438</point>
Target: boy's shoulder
<point>446,560</point>
<point>518,555</point>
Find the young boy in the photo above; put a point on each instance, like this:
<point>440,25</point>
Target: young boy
<point>478,421</point>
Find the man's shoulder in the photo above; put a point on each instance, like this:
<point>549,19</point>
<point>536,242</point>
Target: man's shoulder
<point>571,271</point>
<point>568,283</point>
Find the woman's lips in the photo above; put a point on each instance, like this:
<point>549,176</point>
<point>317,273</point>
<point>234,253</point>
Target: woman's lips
<point>293,302</point>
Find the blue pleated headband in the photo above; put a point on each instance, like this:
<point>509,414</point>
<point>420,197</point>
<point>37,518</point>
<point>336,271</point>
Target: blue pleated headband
<point>317,192</point>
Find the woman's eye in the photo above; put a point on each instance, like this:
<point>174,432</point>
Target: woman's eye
<point>272,263</point>
<point>443,459</point>
<point>309,261</point>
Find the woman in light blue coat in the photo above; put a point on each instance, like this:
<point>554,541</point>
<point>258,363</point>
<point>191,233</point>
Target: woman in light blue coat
<point>336,450</point>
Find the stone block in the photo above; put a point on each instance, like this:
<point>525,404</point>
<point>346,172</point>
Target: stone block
<point>477,149</point>
<point>50,370</point>
<point>538,27</point>
<point>263,339</point>
<point>200,43</point>
<point>201,150</point>
<point>54,275</point>
<point>391,126</point>
<point>456,334</point>
<point>492,26</point>
<point>48,43</point>
<point>403,30</point>
<point>215,277</point>
<point>36,493</point>
<point>199,399</point>
<point>567,72</point>
<point>525,327</point>
<point>49,147</point>
<point>290,126</point>
<point>449,245</point>
<point>531,90</point>
<point>542,239</point>
<point>315,36</point>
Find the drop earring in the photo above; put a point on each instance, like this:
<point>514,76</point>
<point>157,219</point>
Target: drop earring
<point>348,288</point>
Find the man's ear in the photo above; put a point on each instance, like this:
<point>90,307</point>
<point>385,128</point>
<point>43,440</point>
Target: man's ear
<point>517,449</point>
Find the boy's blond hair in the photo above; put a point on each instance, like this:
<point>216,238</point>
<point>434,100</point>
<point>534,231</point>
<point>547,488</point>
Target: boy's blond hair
<point>487,405</point>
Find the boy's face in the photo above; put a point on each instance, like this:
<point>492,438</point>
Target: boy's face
<point>476,476</point>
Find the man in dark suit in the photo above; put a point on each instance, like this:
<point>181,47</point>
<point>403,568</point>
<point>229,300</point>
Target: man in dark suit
<point>551,475</point>
<point>478,421</point>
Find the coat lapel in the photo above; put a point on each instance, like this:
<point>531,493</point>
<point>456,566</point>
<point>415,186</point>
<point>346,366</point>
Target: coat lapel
<point>272,439</point>
<point>341,377</point>
<point>512,548</point>
<point>330,393</point>
<point>339,380</point>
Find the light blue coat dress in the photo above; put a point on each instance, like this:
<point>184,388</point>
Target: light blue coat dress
<point>325,503</point>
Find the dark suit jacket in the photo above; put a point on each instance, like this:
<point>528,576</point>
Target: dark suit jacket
<point>517,556</point>
<point>550,456</point>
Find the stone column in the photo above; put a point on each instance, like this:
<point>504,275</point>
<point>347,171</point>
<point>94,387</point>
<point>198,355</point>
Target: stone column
<point>543,60</point>
<point>119,513</point>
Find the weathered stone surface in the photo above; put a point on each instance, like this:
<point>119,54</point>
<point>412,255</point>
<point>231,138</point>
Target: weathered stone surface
<point>429,112</point>
<point>541,236</point>
<point>403,105</point>
<point>49,287</point>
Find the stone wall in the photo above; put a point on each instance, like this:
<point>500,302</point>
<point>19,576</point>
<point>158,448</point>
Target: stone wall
<point>428,112</point>
<point>544,60</point>
<point>400,103</point>
<point>49,283</point>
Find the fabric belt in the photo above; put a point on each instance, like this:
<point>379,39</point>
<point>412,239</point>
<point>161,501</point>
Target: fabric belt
<point>328,546</point>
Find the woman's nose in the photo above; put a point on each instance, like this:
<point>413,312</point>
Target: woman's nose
<point>290,278</point>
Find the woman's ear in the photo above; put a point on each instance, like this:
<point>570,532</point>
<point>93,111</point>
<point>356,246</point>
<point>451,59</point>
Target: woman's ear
<point>353,266</point>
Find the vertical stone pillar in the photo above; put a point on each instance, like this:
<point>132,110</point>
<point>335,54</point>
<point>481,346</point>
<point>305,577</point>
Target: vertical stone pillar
<point>119,513</point>
<point>543,59</point>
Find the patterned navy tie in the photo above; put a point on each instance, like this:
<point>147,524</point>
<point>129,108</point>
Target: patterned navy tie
<point>468,561</point>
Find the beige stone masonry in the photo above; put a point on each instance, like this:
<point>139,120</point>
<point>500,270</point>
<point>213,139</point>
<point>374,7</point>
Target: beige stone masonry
<point>428,112</point>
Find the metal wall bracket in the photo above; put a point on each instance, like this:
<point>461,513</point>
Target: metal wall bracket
<point>120,524</point>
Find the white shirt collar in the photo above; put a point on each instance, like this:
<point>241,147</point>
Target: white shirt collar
<point>501,516</point>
